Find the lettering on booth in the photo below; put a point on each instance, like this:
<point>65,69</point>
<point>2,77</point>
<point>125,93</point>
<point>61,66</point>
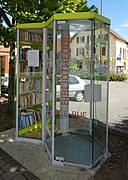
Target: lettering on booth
<point>64,100</point>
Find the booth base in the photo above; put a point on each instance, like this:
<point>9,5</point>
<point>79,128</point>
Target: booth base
<point>76,149</point>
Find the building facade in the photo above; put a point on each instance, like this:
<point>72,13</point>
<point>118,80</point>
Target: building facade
<point>4,61</point>
<point>81,42</point>
<point>118,53</point>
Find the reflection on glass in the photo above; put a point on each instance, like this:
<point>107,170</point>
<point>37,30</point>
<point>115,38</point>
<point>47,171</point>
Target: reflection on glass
<point>77,116</point>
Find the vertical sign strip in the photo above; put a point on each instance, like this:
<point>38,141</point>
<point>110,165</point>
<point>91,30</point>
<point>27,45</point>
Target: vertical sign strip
<point>64,89</point>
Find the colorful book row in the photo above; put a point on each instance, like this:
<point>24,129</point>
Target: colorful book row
<point>28,70</point>
<point>29,100</point>
<point>29,117</point>
<point>28,36</point>
<point>27,84</point>
<point>23,53</point>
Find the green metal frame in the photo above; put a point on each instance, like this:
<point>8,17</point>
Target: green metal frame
<point>67,16</point>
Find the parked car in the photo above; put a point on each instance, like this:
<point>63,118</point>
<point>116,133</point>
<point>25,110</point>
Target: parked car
<point>4,84</point>
<point>76,87</point>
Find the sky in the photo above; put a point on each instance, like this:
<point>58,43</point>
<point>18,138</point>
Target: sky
<point>117,12</point>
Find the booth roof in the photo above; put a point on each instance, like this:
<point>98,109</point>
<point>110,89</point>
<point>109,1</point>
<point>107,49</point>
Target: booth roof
<point>66,16</point>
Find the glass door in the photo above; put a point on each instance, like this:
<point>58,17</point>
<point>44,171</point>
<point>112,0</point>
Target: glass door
<point>48,87</point>
<point>73,124</point>
<point>100,90</point>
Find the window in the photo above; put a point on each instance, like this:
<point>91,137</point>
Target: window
<point>124,53</point>
<point>83,51</point>
<point>80,51</point>
<point>73,80</point>
<point>104,36</point>
<point>87,39</point>
<point>87,50</point>
<point>77,52</point>
<point>80,39</point>
<point>83,39</point>
<point>120,51</point>
<point>127,53</point>
<point>103,50</point>
<point>77,39</point>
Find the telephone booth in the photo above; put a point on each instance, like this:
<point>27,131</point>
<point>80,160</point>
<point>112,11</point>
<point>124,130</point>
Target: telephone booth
<point>62,86</point>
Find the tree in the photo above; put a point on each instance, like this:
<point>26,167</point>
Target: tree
<point>22,11</point>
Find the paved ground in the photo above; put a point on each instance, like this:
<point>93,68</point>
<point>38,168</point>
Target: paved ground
<point>118,105</point>
<point>36,160</point>
<point>12,170</point>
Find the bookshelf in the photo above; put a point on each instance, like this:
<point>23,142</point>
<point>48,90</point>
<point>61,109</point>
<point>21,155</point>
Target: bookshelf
<point>29,81</point>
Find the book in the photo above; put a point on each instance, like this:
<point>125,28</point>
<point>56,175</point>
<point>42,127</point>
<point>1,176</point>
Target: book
<point>34,120</point>
<point>20,54</point>
<point>26,119</point>
<point>23,122</point>
<point>28,36</point>
<point>19,122</point>
<point>38,115</point>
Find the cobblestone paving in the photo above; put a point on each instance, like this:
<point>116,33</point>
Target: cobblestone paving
<point>10,169</point>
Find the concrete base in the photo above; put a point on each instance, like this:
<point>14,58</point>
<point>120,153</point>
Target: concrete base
<point>76,148</point>
<point>35,158</point>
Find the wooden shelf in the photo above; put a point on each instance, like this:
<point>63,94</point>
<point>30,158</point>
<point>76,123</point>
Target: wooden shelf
<point>29,92</point>
<point>32,106</point>
<point>35,75</point>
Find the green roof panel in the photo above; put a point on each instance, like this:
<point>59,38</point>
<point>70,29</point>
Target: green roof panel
<point>66,16</point>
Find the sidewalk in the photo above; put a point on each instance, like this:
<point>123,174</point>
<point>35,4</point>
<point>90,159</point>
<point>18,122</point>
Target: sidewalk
<point>11,169</point>
<point>33,159</point>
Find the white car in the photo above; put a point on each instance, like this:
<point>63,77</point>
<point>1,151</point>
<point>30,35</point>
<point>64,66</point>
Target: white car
<point>76,88</point>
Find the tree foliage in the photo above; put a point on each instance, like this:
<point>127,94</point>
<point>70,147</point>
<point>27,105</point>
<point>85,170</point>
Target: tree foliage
<point>22,11</point>
<point>26,11</point>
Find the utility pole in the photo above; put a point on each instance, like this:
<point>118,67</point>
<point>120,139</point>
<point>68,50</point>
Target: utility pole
<point>101,7</point>
<point>100,34</point>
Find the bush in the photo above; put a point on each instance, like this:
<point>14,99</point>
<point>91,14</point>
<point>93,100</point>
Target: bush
<point>117,77</point>
<point>101,77</point>
<point>84,75</point>
<point>96,76</point>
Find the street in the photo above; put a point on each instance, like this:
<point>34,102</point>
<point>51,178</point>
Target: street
<point>118,105</point>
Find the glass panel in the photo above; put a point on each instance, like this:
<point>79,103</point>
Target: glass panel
<point>100,76</point>
<point>73,141</point>
<point>81,91</point>
<point>49,80</point>
<point>30,84</point>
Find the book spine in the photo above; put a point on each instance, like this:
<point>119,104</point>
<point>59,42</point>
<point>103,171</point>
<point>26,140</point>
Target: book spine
<point>20,54</point>
<point>19,122</point>
<point>22,35</point>
<point>23,122</point>
<point>31,121</point>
